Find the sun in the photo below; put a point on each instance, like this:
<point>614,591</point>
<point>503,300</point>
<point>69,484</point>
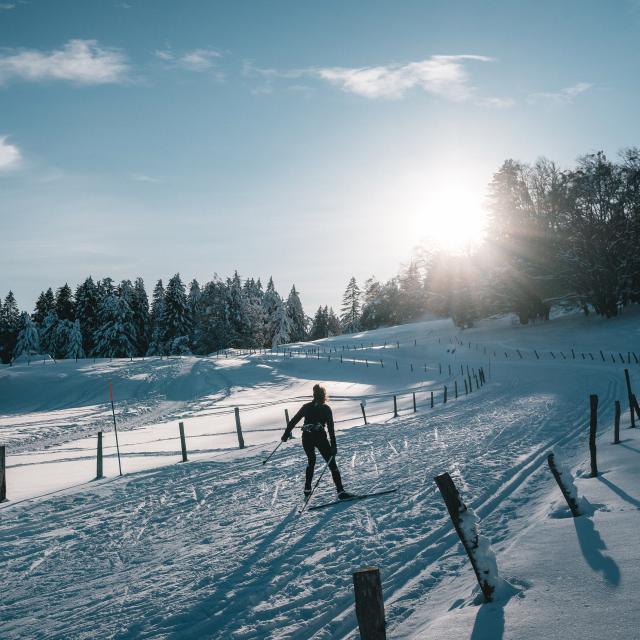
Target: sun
<point>453,216</point>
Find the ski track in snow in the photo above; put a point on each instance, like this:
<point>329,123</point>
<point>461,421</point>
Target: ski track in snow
<point>215,549</point>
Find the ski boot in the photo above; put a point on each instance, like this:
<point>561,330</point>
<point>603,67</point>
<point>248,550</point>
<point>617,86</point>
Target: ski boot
<point>345,495</point>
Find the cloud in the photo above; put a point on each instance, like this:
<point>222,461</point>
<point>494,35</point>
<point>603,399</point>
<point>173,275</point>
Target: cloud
<point>141,177</point>
<point>79,61</point>
<point>496,103</point>
<point>198,60</point>
<point>6,6</point>
<point>564,96</point>
<point>444,76</point>
<point>9,155</point>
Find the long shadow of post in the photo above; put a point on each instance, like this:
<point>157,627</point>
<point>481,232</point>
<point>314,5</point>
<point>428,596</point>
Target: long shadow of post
<point>623,494</point>
<point>592,545</point>
<point>489,623</point>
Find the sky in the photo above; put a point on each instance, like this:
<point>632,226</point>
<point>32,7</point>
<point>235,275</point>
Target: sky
<point>310,141</point>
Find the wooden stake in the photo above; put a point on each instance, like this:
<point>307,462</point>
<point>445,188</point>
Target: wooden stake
<point>3,474</point>
<point>630,396</point>
<point>616,423</point>
<point>239,428</point>
<point>369,604</point>
<point>99,471</point>
<point>573,506</point>
<point>364,415</point>
<point>414,402</point>
<point>593,426</point>
<point>183,442</point>
<point>395,407</point>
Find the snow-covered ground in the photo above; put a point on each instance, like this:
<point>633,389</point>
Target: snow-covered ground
<point>214,548</point>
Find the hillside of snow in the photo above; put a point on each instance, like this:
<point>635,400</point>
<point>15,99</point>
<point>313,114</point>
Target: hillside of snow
<point>214,548</point>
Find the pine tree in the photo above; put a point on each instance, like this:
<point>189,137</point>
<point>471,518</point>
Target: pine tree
<point>74,343</point>
<point>45,303</point>
<point>9,327</point>
<point>61,338</point>
<point>270,304</point>
<point>64,303</point>
<point>283,326</point>
<point>177,323</point>
<point>370,318</point>
<point>411,293</point>
<point>115,337</point>
<point>28,342</point>
<point>141,318</point>
<point>157,321</point>
<point>296,313</point>
<point>194,304</point>
<point>48,333</point>
<point>333,323</point>
<point>350,317</point>
<point>253,297</point>
<point>320,324</point>
<point>87,304</point>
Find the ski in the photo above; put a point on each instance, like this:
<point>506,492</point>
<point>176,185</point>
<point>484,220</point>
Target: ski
<point>353,499</point>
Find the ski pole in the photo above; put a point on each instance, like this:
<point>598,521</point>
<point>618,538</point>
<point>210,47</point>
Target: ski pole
<point>271,454</point>
<point>306,502</point>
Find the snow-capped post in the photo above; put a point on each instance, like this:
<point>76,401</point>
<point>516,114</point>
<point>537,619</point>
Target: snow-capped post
<point>616,423</point>
<point>395,407</point>
<point>565,482</point>
<point>183,442</point>
<point>414,402</point>
<point>99,471</point>
<point>239,428</point>
<point>593,426</point>
<point>477,547</point>
<point>364,413</point>
<point>444,399</point>
<point>630,396</point>
<point>3,476</point>
<point>369,604</point>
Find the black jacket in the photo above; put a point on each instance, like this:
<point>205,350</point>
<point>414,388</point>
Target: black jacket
<point>314,413</point>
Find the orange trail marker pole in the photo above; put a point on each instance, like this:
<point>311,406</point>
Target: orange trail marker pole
<point>115,426</point>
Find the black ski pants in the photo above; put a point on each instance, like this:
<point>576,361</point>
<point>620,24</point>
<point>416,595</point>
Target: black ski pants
<point>318,440</point>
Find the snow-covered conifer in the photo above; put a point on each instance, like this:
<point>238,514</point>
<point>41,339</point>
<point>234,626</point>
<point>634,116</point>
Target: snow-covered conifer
<point>74,342</point>
<point>350,317</point>
<point>28,342</point>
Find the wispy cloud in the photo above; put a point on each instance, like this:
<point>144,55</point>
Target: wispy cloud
<point>564,96</point>
<point>445,76</point>
<point>7,6</point>
<point>79,61</point>
<point>9,155</point>
<point>141,177</point>
<point>198,60</point>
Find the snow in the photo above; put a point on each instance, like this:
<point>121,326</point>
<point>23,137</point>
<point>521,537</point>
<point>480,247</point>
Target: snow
<point>214,547</point>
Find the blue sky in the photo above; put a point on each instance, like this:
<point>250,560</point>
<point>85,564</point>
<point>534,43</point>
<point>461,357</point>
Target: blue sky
<point>308,140</point>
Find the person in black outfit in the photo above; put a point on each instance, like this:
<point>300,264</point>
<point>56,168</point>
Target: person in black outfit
<point>317,415</point>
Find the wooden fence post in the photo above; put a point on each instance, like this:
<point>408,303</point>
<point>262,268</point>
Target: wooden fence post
<point>444,401</point>
<point>414,402</point>
<point>239,428</point>
<point>99,470</point>
<point>3,476</point>
<point>455,388</point>
<point>364,414</point>
<point>571,501</point>
<point>440,368</point>
<point>432,399</point>
<point>395,407</point>
<point>593,426</point>
<point>466,390</point>
<point>635,405</point>
<point>183,442</point>
<point>630,396</point>
<point>286,418</point>
<point>369,604</point>
<point>616,423</point>
<point>456,507</point>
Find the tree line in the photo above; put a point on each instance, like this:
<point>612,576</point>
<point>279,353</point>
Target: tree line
<point>554,236</point>
<point>108,319</point>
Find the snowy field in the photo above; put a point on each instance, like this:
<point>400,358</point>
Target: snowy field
<point>214,548</point>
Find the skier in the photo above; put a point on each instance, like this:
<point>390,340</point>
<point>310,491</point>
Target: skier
<point>317,414</point>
